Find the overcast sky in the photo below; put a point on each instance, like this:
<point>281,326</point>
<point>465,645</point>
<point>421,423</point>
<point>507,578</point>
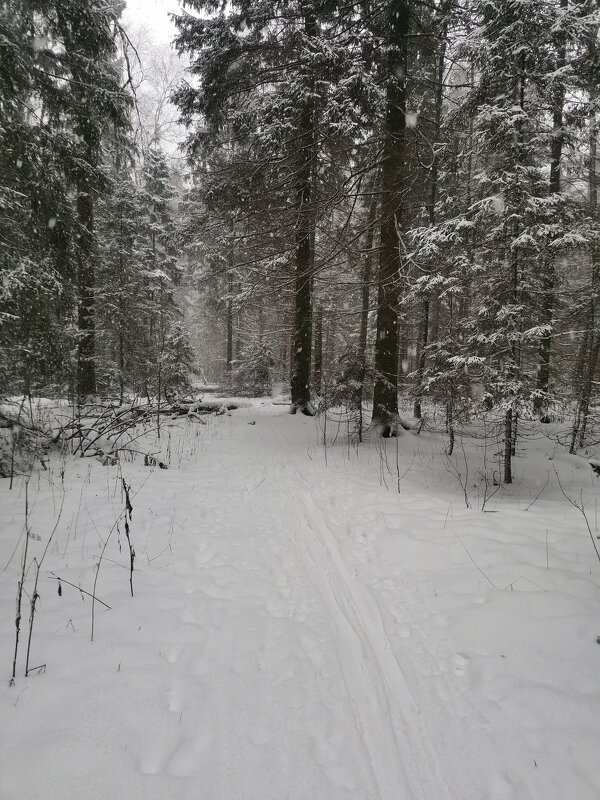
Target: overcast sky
<point>153,14</point>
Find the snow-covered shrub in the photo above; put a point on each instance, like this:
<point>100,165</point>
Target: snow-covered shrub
<point>349,382</point>
<point>251,374</point>
<point>178,361</point>
<point>348,385</point>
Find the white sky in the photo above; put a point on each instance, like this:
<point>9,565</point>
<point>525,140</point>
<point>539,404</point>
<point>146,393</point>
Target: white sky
<point>152,14</point>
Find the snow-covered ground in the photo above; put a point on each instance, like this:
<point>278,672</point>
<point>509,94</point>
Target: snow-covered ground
<point>308,623</point>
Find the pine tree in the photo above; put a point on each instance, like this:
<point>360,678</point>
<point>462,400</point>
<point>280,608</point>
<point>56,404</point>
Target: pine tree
<point>163,271</point>
<point>123,305</point>
<point>385,397</point>
<point>59,89</point>
<point>95,100</point>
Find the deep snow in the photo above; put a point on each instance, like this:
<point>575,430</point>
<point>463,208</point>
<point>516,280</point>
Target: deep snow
<point>309,623</point>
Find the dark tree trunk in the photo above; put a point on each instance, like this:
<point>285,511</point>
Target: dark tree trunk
<point>433,196</point>
<point>318,352</point>
<point>586,394</point>
<point>261,321</point>
<point>366,284</point>
<point>364,311</point>
<point>330,341</point>
<point>590,345</point>
<point>548,273</point>
<point>385,397</point>
<point>230,287</point>
<point>587,361</point>
<point>86,365</point>
<point>513,224</point>
<point>229,353</point>
<point>508,445</point>
<point>301,355</point>
<point>121,321</point>
<point>423,341</point>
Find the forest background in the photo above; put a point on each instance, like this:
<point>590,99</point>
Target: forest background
<point>363,201</point>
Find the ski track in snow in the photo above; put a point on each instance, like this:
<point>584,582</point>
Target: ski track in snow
<point>401,756</point>
<point>283,644</point>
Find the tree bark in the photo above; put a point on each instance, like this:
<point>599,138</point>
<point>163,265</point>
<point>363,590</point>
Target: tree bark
<point>433,196</point>
<point>385,397</point>
<point>230,309</point>
<point>590,346</point>
<point>301,354</point>
<point>541,401</point>
<point>422,357</point>
<point>318,351</point>
<point>86,352</point>
<point>229,352</point>
<point>366,284</point>
<point>508,445</point>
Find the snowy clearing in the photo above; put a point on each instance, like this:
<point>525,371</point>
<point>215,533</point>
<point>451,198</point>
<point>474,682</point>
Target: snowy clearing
<point>308,623</point>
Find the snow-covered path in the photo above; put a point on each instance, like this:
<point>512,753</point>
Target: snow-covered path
<point>303,631</point>
<point>282,672</point>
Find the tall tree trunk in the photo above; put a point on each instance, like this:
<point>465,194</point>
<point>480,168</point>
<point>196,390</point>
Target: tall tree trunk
<point>74,31</point>
<point>121,314</point>
<point>230,266</point>
<point>590,346</point>
<point>366,281</point>
<point>513,206</point>
<point>318,351</point>
<point>229,345</point>
<point>508,445</point>
<point>330,341</point>
<point>421,358</point>
<point>433,196</point>
<point>548,267</point>
<point>385,397</point>
<point>86,353</point>
<point>365,306</point>
<point>301,355</point>
<point>587,392</point>
<point>261,321</point>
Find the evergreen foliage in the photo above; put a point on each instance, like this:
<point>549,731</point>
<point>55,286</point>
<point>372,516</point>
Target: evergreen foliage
<point>383,200</point>
<point>88,259</point>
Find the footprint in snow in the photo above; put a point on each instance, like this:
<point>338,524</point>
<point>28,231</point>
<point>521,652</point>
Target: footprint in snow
<point>278,610</point>
<point>172,654</point>
<point>460,663</point>
<point>205,553</point>
<point>216,592</point>
<point>177,698</point>
<point>185,761</point>
<point>154,759</point>
<point>189,615</point>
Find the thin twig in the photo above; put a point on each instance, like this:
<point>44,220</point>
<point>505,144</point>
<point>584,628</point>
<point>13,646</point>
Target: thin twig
<point>539,493</point>
<point>474,562</point>
<point>79,589</point>
<point>20,586</point>
<point>581,509</point>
